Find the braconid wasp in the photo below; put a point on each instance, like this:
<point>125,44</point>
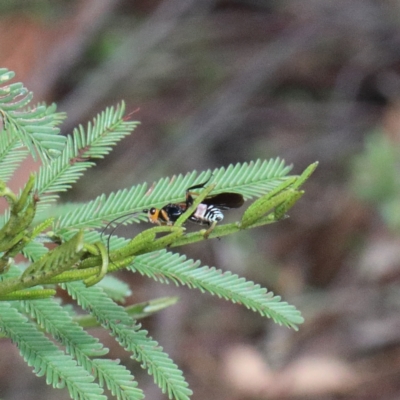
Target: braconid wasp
<point>208,212</point>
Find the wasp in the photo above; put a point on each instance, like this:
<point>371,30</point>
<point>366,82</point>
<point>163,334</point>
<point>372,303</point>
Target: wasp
<point>208,212</point>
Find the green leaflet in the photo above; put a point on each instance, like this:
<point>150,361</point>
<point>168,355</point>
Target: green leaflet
<point>250,179</point>
<point>45,358</point>
<point>145,350</point>
<point>81,148</point>
<point>34,127</point>
<point>86,349</point>
<point>165,266</point>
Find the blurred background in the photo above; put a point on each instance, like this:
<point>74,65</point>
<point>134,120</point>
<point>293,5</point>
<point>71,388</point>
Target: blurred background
<point>220,82</point>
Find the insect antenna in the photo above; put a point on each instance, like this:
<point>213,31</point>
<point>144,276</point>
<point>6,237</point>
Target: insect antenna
<point>200,185</point>
<point>124,219</point>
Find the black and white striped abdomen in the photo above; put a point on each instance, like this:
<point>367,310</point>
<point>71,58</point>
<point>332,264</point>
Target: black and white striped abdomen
<point>213,214</point>
<point>207,214</point>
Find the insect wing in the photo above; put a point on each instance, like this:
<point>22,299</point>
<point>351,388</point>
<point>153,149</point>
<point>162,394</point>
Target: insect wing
<point>224,201</point>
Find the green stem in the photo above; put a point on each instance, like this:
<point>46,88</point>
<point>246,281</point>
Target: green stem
<point>29,294</point>
<point>221,230</point>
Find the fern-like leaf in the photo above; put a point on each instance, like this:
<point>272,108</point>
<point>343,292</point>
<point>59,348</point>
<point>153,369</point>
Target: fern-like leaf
<point>106,130</point>
<point>56,321</point>
<point>46,359</point>
<point>35,127</point>
<point>122,326</point>
<point>117,378</point>
<point>253,179</point>
<point>12,153</point>
<point>165,266</point>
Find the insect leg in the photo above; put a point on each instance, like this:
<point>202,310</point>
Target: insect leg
<point>206,233</point>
